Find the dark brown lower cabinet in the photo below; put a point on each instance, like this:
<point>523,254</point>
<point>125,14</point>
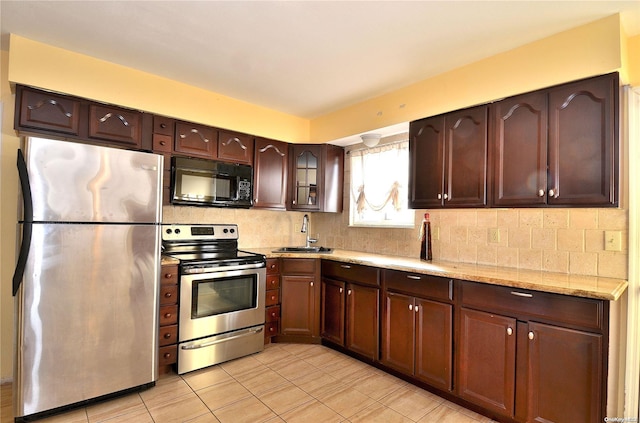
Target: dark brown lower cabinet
<point>487,360</point>
<point>416,338</point>
<point>540,359</point>
<point>565,375</point>
<point>350,311</point>
<point>300,297</point>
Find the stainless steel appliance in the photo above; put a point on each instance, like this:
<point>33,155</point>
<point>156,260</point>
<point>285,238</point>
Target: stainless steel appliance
<point>199,182</point>
<point>86,285</point>
<point>222,293</point>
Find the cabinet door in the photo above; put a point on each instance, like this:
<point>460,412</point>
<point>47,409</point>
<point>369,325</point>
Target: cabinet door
<point>466,158</point>
<point>196,140</point>
<point>333,306</point>
<point>398,330</point>
<point>298,308</point>
<point>583,146</point>
<point>43,110</point>
<point>565,375</point>
<point>362,320</point>
<point>520,150</point>
<point>235,147</point>
<point>486,367</point>
<point>306,179</point>
<point>434,352</point>
<point>115,124</point>
<point>426,172</point>
<point>270,174</point>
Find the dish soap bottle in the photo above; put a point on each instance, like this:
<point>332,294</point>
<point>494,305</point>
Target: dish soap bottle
<point>425,239</point>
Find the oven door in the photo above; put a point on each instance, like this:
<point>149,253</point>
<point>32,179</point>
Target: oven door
<point>217,302</point>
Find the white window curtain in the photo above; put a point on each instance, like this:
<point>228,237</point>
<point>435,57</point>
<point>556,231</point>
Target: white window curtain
<point>379,178</point>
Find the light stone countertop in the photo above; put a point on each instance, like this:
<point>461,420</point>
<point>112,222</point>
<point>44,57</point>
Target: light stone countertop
<point>560,283</point>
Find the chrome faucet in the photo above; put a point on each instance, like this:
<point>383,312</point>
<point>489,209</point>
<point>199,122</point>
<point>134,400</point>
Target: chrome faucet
<point>305,229</point>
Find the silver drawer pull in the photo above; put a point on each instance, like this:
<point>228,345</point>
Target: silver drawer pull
<point>416,278</point>
<point>521,294</point>
<point>345,266</point>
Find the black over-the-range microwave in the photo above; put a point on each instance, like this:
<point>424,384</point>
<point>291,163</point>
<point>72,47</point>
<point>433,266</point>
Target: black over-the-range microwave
<point>201,182</point>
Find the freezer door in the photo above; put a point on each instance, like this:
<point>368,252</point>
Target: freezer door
<point>86,314</point>
<point>73,182</point>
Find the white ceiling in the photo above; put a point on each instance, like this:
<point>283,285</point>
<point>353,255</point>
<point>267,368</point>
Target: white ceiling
<point>305,58</point>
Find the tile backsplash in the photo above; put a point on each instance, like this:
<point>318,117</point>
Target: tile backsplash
<point>556,240</point>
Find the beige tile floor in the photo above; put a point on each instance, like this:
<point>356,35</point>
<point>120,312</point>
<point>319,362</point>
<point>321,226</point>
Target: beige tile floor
<point>284,383</point>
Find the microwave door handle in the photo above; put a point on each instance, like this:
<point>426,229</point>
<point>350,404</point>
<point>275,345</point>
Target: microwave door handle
<point>27,222</point>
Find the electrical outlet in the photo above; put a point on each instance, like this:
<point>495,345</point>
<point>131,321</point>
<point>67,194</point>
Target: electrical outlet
<point>435,235</point>
<point>494,235</point>
<point>613,240</point>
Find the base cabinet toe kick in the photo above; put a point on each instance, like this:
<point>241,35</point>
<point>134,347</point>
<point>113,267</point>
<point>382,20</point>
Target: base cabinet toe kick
<point>513,355</point>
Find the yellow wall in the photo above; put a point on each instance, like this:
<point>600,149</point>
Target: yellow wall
<point>584,51</point>
<point>40,65</point>
<point>591,49</point>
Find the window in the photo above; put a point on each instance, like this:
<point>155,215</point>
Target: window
<point>379,192</point>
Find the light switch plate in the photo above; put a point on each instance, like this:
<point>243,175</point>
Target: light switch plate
<point>613,240</point>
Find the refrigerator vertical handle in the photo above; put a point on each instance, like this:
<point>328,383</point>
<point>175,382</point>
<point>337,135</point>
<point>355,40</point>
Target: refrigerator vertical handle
<point>27,219</point>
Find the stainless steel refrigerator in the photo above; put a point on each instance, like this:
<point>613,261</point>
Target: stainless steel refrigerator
<point>87,279</point>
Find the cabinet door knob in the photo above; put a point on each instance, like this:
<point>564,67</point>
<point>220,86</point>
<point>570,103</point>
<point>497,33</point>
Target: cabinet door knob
<point>167,335</point>
<point>168,275</point>
<point>341,290</point>
<point>163,125</point>
<point>311,283</point>
<point>167,355</point>
<point>552,193</point>
<point>415,309</point>
<point>439,196</point>
<point>410,307</point>
<point>446,196</point>
<point>531,335</point>
<point>509,331</point>
<point>348,292</point>
<point>167,295</point>
<point>540,193</point>
<point>167,315</point>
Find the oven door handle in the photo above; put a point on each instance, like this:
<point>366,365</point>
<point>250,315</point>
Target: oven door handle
<point>229,337</point>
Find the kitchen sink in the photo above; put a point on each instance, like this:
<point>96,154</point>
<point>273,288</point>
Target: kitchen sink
<point>303,250</point>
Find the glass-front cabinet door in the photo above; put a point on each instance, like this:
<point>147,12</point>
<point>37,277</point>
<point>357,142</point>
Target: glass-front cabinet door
<point>306,185</point>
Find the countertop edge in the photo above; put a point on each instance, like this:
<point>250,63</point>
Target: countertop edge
<point>609,289</point>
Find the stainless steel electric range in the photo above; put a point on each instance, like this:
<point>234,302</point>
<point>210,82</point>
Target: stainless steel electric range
<point>222,292</point>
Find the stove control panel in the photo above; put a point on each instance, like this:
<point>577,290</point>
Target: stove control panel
<point>180,232</point>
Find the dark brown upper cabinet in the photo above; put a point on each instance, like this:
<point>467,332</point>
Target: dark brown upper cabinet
<point>235,147</point>
<point>316,177</point>
<point>270,171</point>
<point>42,110</point>
<point>583,143</point>
<point>519,138</point>
<point>448,160</point>
<point>115,124</point>
<point>196,140</point>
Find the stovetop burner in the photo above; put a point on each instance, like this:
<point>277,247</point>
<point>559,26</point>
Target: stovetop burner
<point>207,246</point>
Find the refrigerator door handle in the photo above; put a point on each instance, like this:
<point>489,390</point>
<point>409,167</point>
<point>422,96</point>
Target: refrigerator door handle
<point>27,219</point>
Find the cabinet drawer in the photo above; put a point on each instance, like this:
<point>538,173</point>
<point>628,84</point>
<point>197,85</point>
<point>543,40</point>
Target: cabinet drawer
<point>168,335</point>
<point>168,294</point>
<point>163,125</point>
<point>273,297</point>
<point>299,265</point>
<point>168,355</point>
<point>272,314</point>
<point>168,315</point>
<point>162,143</point>
<point>583,312</point>
<point>364,275</point>
<point>169,275</point>
<point>273,282</point>
<point>270,329</point>
<point>273,266</point>
<point>418,284</point>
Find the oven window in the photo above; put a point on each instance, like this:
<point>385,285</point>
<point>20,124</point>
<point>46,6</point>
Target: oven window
<point>224,295</point>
